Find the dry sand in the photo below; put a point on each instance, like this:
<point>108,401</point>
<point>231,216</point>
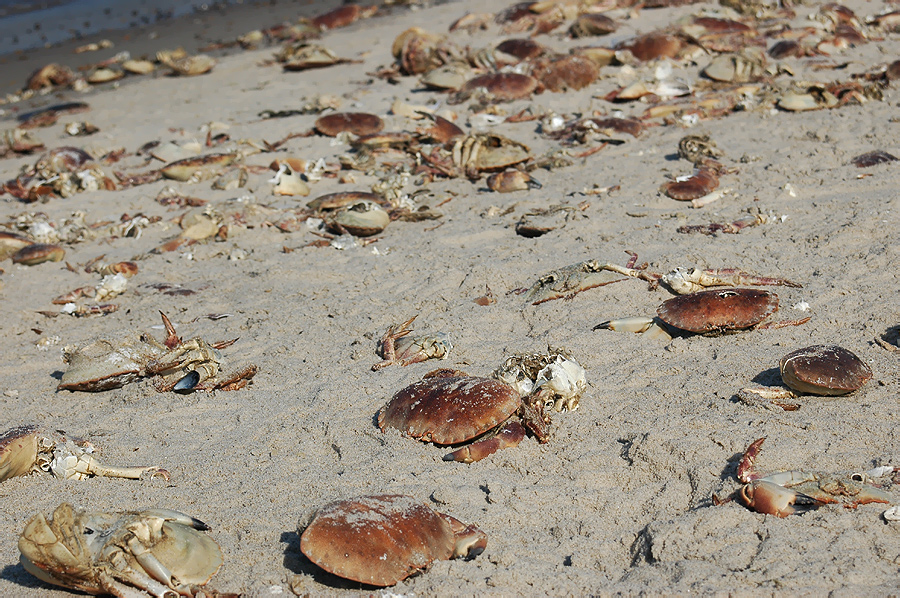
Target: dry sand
<point>619,501</point>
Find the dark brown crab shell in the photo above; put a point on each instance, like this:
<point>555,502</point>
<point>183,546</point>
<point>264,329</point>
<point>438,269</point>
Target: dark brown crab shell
<point>502,87</point>
<point>358,123</point>
<point>449,407</point>
<point>718,310</point>
<point>592,24</point>
<point>380,540</point>
<point>521,48</point>
<point>341,16</point>
<point>827,370</point>
<point>651,46</point>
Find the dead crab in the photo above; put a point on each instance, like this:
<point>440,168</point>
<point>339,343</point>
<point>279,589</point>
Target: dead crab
<point>473,154</point>
<point>397,347</point>
<point>712,312</point>
<point>28,448</point>
<point>823,370</point>
<point>796,492</point>
<point>567,282</point>
<point>176,365</point>
<point>382,540</point>
<point>449,407</point>
<point>158,552</point>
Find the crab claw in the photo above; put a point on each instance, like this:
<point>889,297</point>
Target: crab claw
<point>507,437</point>
<point>771,499</point>
<point>746,471</point>
<point>188,382</point>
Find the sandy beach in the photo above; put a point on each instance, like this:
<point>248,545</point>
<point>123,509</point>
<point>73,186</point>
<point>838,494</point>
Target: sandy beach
<point>620,500</point>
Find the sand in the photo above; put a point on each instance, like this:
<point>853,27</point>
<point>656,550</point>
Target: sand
<point>620,500</point>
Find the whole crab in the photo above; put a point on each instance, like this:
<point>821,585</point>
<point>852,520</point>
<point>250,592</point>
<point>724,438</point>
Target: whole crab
<point>381,540</point>
<point>449,407</point>
<point>175,364</point>
<point>710,312</point>
<point>397,347</point>
<point>796,492</point>
<point>158,552</point>
<point>28,448</point>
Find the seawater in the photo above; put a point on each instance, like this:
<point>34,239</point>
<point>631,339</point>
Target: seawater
<point>26,25</point>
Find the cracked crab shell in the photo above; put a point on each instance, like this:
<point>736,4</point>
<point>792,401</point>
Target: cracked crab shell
<point>827,370</point>
<point>449,407</point>
<point>378,540</point>
<point>718,310</point>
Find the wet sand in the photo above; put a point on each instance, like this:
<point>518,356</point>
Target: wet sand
<point>620,500</point>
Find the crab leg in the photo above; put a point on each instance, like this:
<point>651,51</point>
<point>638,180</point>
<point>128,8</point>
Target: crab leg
<point>387,343</point>
<point>119,589</point>
<point>85,465</point>
<point>684,281</point>
<point>508,436</point>
<point>636,324</point>
<point>746,471</point>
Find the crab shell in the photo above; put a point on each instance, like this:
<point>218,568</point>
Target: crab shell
<point>102,366</point>
<point>718,310</point>
<point>358,123</point>
<point>18,451</point>
<point>381,540</point>
<point>449,407</point>
<point>824,370</point>
<point>155,551</point>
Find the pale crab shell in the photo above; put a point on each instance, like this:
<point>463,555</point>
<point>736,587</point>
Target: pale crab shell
<point>362,219</point>
<point>18,451</point>
<point>193,169</point>
<point>101,365</point>
<point>157,552</point>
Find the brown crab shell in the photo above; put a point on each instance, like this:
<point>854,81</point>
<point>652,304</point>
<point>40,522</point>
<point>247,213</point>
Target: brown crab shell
<point>521,48</point>
<point>377,540</point>
<point>38,253</point>
<point>358,123</point>
<point>565,72</point>
<point>651,46</point>
<point>702,183</point>
<point>718,310</point>
<point>18,451</point>
<point>502,87</point>
<point>872,158</point>
<point>592,24</point>
<point>342,16</point>
<point>827,370</point>
<point>449,407</point>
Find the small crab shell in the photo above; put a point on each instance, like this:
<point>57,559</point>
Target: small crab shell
<point>341,199</point>
<point>449,407</point>
<point>191,65</point>
<point>381,540</point>
<point>718,310</point>
<point>701,183</point>
<point>590,24</point>
<point>652,45</point>
<point>358,123</point>
<point>362,219</point>
<point>824,370</point>
<point>501,87</point>
<point>523,49</point>
<point>193,169</point>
